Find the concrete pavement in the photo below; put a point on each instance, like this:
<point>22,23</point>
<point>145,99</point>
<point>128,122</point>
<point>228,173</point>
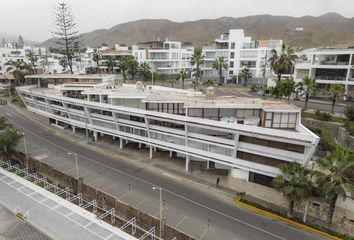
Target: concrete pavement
<point>189,207</point>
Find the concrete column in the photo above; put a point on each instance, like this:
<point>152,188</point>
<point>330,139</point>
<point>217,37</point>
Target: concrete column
<point>170,154</point>
<point>154,149</point>
<point>187,163</point>
<point>120,143</point>
<point>95,137</point>
<point>74,129</point>
<point>140,145</point>
<point>126,141</point>
<point>208,165</point>
<point>101,134</point>
<point>151,151</point>
<point>56,122</point>
<point>114,138</point>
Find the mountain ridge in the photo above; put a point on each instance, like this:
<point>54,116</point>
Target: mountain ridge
<point>330,29</point>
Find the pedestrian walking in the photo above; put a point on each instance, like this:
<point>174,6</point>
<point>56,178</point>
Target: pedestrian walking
<point>217,182</point>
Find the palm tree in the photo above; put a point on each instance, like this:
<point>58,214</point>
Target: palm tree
<point>183,75</point>
<point>336,178</point>
<point>144,70</point>
<point>173,81</point>
<point>111,63</point>
<point>246,74</point>
<point>336,91</point>
<point>123,66</point>
<point>33,59</point>
<point>294,183</point>
<point>96,56</point>
<point>310,88</point>
<point>8,141</point>
<point>220,65</point>
<point>195,84</point>
<point>282,63</point>
<point>132,66</point>
<point>20,70</point>
<point>198,59</point>
<point>209,83</point>
<point>3,123</point>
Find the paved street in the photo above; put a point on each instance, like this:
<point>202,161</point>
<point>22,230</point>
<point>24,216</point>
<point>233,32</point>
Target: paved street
<point>186,207</point>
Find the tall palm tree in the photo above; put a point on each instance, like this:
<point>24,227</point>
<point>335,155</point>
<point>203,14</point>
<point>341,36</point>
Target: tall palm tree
<point>96,56</point>
<point>198,59</point>
<point>8,141</point>
<point>246,74</point>
<point>195,84</point>
<point>283,62</point>
<point>144,70</point>
<point>220,64</point>
<point>20,70</point>
<point>132,66</point>
<point>294,183</point>
<point>336,179</point>
<point>336,92</point>
<point>111,63</point>
<point>310,88</point>
<point>183,74</point>
<point>123,66</point>
<point>33,59</point>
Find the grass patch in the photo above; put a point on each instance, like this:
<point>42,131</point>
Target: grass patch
<point>332,119</point>
<point>295,219</point>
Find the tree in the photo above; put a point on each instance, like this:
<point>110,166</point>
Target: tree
<point>287,87</point>
<point>195,84</point>
<point>64,63</point>
<point>96,56</point>
<point>173,81</point>
<point>144,70</point>
<point>198,59</point>
<point>220,65</point>
<point>294,183</point>
<point>123,66</point>
<point>183,74</point>
<point>282,63</point>
<point>246,74</point>
<point>209,83</point>
<point>33,59</point>
<point>336,91</point>
<point>310,88</point>
<point>8,141</point>
<point>20,70</point>
<point>3,123</point>
<point>336,179</point>
<point>299,87</point>
<point>64,34</point>
<point>132,66</point>
<point>111,63</point>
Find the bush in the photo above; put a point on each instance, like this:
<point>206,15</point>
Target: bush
<point>253,88</point>
<point>349,112</point>
<point>323,116</point>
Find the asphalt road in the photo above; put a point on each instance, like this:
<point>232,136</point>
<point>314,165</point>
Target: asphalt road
<point>226,220</point>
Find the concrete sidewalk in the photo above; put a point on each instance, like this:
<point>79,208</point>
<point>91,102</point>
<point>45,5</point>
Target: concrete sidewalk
<point>52,215</point>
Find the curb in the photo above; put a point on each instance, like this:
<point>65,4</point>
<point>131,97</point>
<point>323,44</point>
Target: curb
<point>283,219</point>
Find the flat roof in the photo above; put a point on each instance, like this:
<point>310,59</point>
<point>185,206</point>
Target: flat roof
<point>70,76</point>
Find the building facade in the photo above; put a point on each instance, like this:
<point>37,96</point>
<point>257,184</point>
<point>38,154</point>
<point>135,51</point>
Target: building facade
<point>328,66</point>
<point>240,52</point>
<point>168,57</point>
<point>249,137</point>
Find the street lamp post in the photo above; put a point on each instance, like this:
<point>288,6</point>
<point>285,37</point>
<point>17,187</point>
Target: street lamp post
<point>161,209</point>
<point>76,166</point>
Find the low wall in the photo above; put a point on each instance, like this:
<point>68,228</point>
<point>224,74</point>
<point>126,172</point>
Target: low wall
<point>104,200</point>
<point>343,218</point>
<point>336,129</point>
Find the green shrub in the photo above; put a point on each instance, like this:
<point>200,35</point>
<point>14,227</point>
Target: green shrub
<point>253,88</point>
<point>323,116</point>
<point>349,112</point>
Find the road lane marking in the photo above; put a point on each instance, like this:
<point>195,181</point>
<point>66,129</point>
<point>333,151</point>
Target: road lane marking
<point>124,194</point>
<point>142,202</point>
<point>41,157</point>
<point>152,184</point>
<point>180,221</point>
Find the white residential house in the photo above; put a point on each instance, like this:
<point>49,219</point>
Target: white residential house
<point>328,66</point>
<point>240,52</point>
<point>167,57</point>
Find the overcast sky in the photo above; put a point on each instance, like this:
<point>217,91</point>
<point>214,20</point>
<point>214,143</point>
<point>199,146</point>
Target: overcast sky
<point>32,18</point>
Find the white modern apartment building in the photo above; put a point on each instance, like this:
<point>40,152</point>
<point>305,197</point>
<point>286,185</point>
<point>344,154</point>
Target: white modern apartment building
<point>10,54</point>
<point>248,136</point>
<point>328,66</point>
<point>167,57</point>
<point>240,52</point>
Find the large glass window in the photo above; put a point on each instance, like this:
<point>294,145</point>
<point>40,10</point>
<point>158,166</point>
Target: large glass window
<point>232,54</point>
<point>284,120</point>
